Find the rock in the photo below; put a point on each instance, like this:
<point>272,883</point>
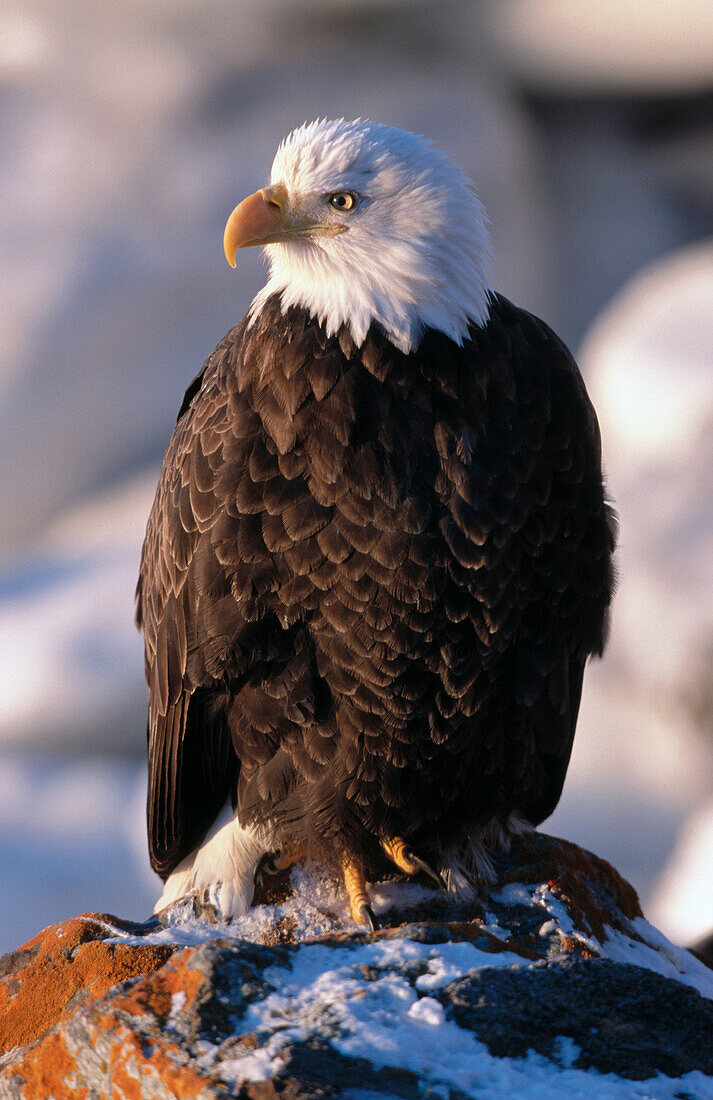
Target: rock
<point>63,967</point>
<point>553,984</point>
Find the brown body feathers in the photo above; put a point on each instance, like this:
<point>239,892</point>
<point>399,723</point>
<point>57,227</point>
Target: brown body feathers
<point>370,585</point>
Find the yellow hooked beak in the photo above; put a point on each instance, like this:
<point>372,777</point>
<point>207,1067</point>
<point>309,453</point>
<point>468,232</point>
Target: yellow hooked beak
<point>265,218</point>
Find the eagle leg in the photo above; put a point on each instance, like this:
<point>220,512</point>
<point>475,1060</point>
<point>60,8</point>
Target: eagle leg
<point>359,901</point>
<point>399,852</point>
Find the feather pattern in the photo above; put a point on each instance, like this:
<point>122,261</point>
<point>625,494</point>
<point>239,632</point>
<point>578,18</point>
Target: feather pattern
<point>370,584</point>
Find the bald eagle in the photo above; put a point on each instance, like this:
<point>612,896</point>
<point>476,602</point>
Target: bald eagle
<point>380,552</point>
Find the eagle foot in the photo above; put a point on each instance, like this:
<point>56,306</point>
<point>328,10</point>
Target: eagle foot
<point>358,893</point>
<point>274,862</point>
<point>401,854</point>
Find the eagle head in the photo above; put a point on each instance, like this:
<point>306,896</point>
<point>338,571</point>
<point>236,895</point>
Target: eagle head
<point>365,223</point>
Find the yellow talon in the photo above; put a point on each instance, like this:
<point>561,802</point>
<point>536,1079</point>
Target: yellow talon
<point>359,901</point>
<point>395,849</point>
<point>287,856</point>
<point>399,852</point>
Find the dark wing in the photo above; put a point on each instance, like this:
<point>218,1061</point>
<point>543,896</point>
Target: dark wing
<point>565,573</point>
<point>191,622</point>
<point>226,580</point>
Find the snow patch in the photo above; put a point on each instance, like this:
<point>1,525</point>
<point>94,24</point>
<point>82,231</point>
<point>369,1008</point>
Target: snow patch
<point>453,960</point>
<point>316,906</point>
<point>651,950</point>
<point>427,1011</point>
<point>383,1020</point>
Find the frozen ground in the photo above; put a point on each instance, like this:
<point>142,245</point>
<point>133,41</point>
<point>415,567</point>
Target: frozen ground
<point>391,1001</point>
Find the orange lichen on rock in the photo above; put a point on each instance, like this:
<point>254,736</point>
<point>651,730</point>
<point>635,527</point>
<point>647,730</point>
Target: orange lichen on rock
<point>152,995</point>
<point>574,946</point>
<point>65,965</point>
<point>132,1069</point>
<point>51,1072</point>
<point>138,1069</point>
<point>127,1063</point>
<point>593,891</point>
<point>104,1009</point>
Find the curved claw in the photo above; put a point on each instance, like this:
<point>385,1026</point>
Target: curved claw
<point>266,866</point>
<point>426,868</point>
<point>403,855</point>
<point>368,916</point>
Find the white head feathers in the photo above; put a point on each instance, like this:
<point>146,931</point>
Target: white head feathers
<point>414,251</point>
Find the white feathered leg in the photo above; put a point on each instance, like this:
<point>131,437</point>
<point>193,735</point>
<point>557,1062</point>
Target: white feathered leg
<point>223,868</point>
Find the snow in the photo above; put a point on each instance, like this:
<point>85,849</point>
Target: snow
<point>647,361</point>
<point>455,959</point>
<point>683,902</point>
<point>427,1011</point>
<point>647,947</point>
<point>654,951</point>
<point>317,906</point>
<point>178,1003</point>
<point>653,349</point>
<point>648,358</point>
<point>378,998</point>
<point>385,1021</point>
<point>515,893</point>
<point>644,46</point>
<point>71,659</point>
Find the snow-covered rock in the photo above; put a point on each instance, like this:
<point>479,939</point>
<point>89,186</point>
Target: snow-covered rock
<point>552,985</point>
<point>683,901</point>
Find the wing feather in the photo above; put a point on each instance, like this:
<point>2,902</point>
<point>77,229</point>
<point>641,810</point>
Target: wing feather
<point>188,623</point>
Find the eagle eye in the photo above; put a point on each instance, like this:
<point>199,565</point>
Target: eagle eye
<point>343,200</point>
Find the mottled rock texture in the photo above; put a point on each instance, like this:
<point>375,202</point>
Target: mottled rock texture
<point>553,976</point>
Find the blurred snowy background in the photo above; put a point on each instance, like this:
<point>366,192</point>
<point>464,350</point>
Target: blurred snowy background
<point>129,131</point>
